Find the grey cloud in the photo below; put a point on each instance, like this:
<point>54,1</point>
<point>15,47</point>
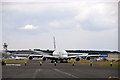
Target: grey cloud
<point>69,35</point>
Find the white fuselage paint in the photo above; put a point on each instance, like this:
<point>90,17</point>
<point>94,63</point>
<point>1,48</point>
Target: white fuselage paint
<point>62,54</point>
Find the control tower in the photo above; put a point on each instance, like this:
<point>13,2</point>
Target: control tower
<point>5,50</point>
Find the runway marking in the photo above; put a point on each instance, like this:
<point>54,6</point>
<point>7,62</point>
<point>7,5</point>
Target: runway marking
<point>36,72</point>
<point>66,73</point>
<point>13,64</point>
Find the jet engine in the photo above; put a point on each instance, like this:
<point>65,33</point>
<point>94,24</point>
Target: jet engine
<point>77,58</point>
<point>30,57</point>
<point>44,58</point>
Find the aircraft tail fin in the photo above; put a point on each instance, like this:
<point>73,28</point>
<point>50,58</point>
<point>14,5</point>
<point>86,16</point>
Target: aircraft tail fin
<point>54,43</point>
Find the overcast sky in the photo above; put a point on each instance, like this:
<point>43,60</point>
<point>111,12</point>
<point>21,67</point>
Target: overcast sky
<point>76,24</point>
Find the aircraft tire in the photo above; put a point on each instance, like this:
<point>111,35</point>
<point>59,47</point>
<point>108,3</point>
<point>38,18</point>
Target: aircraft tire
<point>52,61</point>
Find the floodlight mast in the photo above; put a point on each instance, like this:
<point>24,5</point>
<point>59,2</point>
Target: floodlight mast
<point>5,49</point>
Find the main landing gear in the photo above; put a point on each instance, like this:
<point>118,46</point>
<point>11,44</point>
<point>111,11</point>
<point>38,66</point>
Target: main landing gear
<point>61,61</point>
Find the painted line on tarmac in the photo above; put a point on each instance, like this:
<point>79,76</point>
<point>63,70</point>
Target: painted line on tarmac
<point>66,73</point>
<point>36,72</point>
<point>13,64</point>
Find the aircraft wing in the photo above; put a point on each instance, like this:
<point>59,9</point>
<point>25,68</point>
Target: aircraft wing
<point>43,54</point>
<point>98,55</point>
<point>74,56</point>
<point>46,55</point>
<point>35,55</point>
<point>18,58</point>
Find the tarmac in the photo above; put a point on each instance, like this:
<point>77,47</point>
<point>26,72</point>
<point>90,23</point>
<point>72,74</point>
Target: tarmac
<point>61,70</point>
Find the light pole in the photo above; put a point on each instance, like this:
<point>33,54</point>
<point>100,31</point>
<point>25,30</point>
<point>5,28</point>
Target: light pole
<point>5,49</point>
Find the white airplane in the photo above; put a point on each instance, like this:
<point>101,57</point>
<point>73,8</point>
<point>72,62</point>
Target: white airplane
<point>61,55</point>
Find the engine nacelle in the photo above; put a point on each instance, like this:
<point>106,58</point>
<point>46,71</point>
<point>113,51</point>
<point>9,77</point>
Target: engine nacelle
<point>30,57</point>
<point>77,58</point>
<point>44,58</point>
